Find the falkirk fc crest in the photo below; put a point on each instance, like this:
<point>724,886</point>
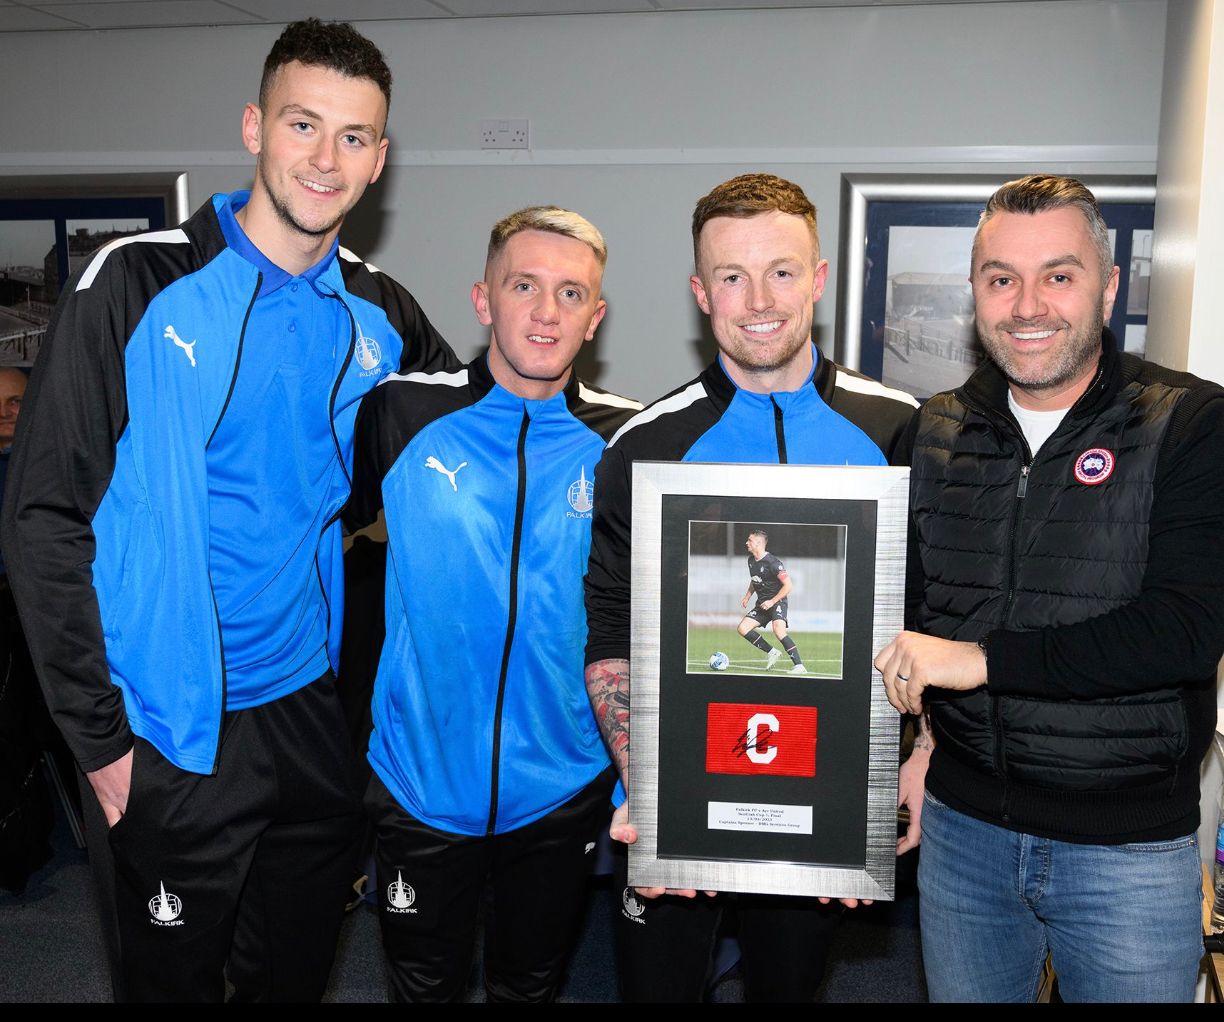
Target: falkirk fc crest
<point>367,352</point>
<point>581,494</point>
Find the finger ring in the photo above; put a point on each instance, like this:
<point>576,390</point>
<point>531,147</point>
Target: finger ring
<point>903,677</point>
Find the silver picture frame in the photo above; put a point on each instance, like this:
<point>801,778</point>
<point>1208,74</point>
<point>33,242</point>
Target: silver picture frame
<point>827,831</point>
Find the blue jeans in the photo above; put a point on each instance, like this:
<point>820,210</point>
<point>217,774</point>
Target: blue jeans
<point>1122,922</point>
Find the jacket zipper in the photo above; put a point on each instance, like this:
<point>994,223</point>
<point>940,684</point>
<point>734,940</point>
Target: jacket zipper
<point>779,430</point>
<point>237,361</point>
<point>323,588</point>
<point>217,610</point>
<point>999,754</point>
<point>1013,567</point>
<point>327,605</point>
<point>1000,757</point>
<point>331,404</point>
<point>331,424</point>
<point>519,508</point>
<point>224,686</point>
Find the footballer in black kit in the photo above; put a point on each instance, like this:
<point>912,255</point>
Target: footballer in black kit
<point>766,576</point>
<point>769,580</point>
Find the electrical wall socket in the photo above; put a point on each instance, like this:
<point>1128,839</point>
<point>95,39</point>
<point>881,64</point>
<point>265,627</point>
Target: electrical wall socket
<point>505,134</point>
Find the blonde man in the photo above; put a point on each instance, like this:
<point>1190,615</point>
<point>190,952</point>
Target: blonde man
<point>488,765</point>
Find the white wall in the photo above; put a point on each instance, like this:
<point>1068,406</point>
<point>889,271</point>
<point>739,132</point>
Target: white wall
<point>1186,301</point>
<point>633,117</point>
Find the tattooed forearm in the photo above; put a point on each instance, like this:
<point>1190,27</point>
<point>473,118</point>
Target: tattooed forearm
<point>607,683</point>
<point>923,737</point>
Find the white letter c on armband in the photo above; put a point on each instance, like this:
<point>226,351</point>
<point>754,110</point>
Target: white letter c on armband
<point>755,723</point>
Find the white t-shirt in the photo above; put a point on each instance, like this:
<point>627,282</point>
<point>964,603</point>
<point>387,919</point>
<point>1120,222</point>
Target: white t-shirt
<point>1037,426</point>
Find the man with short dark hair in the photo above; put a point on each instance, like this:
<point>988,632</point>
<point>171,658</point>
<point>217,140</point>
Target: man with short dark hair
<point>1067,595</point>
<point>172,529</point>
<point>489,769</point>
<point>770,397</point>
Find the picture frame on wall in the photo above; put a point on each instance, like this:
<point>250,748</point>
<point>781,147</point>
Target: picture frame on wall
<point>51,223</point>
<point>905,308</point>
<point>746,775</point>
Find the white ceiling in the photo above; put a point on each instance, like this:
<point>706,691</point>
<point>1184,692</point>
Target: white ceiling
<point>86,15</point>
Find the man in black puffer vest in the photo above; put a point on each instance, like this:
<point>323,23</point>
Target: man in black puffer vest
<point>1067,601</point>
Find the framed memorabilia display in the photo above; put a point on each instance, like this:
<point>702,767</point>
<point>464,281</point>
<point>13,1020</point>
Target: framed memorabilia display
<point>905,308</point>
<point>50,224</point>
<point>747,772</point>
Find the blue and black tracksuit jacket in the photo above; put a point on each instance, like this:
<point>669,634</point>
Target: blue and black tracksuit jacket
<point>105,524</point>
<point>481,718</point>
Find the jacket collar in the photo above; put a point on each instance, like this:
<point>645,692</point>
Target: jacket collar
<point>273,276</point>
<point>572,396</point>
<point>721,389</point>
<point>480,377</point>
<point>825,378</point>
<point>203,229</point>
<point>481,381</point>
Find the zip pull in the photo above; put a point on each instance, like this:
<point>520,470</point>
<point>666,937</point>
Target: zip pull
<point>1023,487</point>
<point>779,430</point>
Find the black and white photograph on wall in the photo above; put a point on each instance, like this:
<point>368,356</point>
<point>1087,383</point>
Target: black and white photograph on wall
<point>51,225</point>
<point>26,294</point>
<point>930,341</point>
<point>1138,290</point>
<point>32,258</point>
<point>905,310</point>
<point>766,597</point>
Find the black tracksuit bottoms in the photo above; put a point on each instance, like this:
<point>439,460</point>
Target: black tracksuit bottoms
<point>237,875</point>
<point>431,884</point>
<point>665,946</point>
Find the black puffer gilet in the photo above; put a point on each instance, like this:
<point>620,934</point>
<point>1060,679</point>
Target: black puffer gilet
<point>1015,542</point>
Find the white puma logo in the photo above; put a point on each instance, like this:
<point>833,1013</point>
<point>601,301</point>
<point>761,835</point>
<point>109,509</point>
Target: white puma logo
<point>170,335</point>
<point>432,462</point>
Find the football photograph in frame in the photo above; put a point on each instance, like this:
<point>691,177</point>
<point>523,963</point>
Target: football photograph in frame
<point>766,597</point>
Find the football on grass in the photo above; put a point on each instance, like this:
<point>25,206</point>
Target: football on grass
<point>719,661</point>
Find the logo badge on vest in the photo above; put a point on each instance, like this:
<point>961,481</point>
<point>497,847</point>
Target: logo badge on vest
<point>1094,466</point>
<point>749,738</point>
<point>165,908</point>
<point>368,353</point>
<point>400,896</point>
<point>631,908</point>
<point>581,495</point>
